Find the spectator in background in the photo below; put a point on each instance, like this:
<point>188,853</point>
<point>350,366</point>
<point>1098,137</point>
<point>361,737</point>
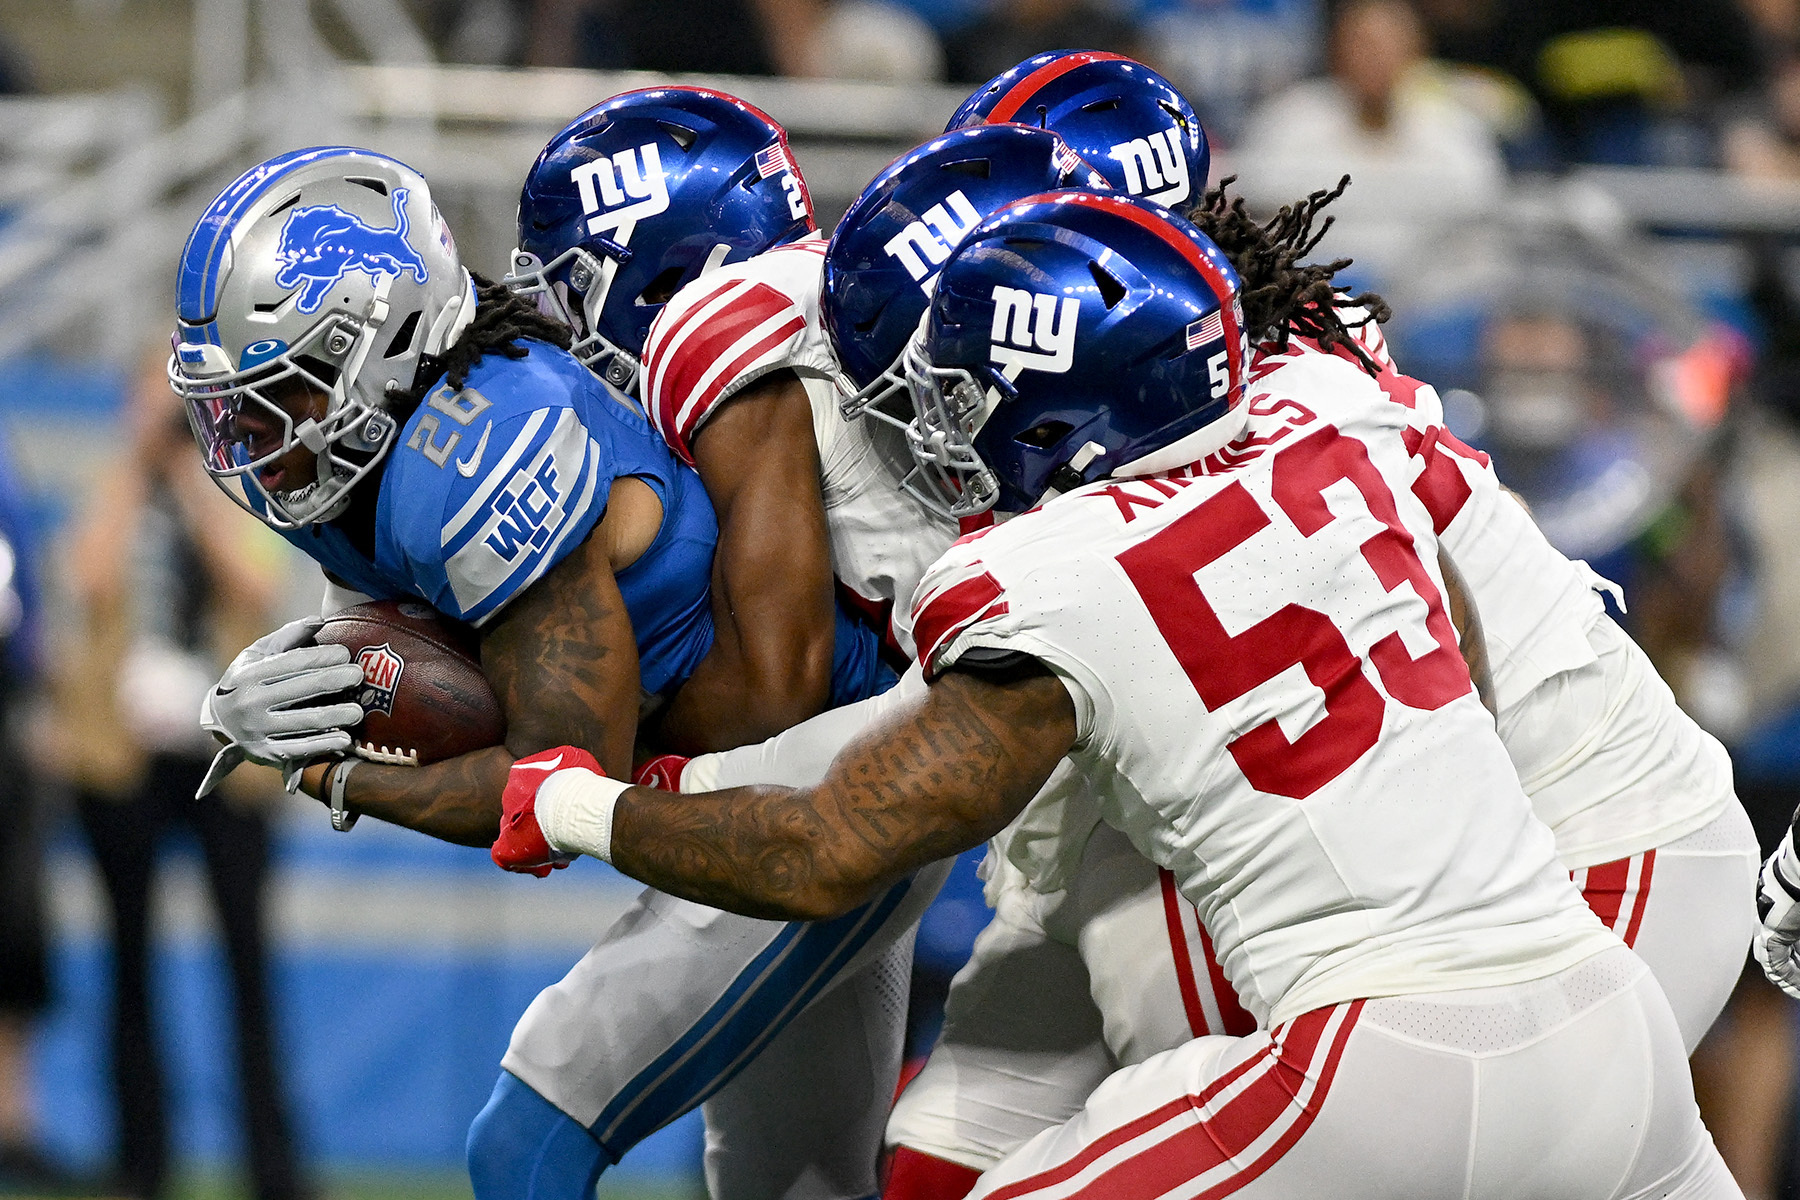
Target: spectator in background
<point>726,37</point>
<point>171,579</point>
<point>1619,81</point>
<point>1013,30</point>
<point>24,971</point>
<point>1418,159</point>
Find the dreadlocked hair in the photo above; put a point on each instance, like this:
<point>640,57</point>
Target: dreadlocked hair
<point>1281,295</point>
<point>501,318</point>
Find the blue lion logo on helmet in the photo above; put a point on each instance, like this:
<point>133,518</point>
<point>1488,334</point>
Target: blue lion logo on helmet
<point>323,243</point>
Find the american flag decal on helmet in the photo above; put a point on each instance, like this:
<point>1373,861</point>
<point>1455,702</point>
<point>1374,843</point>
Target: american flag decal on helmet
<point>772,160</point>
<point>1067,161</point>
<point>1209,328</point>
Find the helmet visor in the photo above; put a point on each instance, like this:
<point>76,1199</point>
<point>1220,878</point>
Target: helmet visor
<point>248,422</point>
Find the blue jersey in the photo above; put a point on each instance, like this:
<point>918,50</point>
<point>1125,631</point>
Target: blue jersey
<point>492,486</point>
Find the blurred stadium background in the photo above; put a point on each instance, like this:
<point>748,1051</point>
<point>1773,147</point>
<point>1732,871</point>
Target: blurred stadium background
<point>1586,214</point>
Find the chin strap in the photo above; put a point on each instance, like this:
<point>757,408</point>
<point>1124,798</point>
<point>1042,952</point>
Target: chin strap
<point>1068,477</point>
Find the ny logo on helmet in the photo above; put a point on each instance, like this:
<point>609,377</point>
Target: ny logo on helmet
<point>924,244</point>
<point>1031,332</point>
<point>321,244</point>
<point>1155,168</point>
<point>620,191</point>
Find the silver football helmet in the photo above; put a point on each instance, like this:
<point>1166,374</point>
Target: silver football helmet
<point>323,273</point>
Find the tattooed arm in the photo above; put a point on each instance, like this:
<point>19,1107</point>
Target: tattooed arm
<point>1470,638</point>
<point>562,660</point>
<point>942,774</point>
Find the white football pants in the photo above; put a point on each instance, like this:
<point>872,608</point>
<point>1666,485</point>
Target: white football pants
<point>1572,1087</point>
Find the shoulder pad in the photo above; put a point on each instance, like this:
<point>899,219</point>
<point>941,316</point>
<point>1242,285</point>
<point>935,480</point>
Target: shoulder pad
<point>727,329</point>
<point>476,528</point>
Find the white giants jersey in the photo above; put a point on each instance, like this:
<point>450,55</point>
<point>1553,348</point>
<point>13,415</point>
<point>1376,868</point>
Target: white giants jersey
<point>1610,761</point>
<point>1272,705</point>
<point>740,322</point>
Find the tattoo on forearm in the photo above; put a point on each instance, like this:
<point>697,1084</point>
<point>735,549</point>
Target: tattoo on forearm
<point>457,800</point>
<point>936,781</point>
<point>563,663</point>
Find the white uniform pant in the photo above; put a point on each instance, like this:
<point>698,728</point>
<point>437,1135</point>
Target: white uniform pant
<point>1572,1087</point>
<point>789,1033</point>
<point>1117,969</point>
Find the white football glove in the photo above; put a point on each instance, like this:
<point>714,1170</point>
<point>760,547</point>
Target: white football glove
<point>280,703</point>
<point>1778,903</point>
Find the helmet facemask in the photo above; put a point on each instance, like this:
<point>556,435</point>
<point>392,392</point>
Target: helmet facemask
<point>950,405</point>
<point>572,288</point>
<point>225,407</point>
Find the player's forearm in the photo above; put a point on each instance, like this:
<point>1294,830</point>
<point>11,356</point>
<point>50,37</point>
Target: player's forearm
<point>457,800</point>
<point>769,852</point>
<point>730,702</point>
<point>940,775</point>
<point>772,591</point>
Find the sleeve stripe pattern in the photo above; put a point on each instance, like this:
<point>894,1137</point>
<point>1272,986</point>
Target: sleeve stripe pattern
<point>942,616</point>
<point>699,355</point>
<point>663,350</point>
<point>498,475</point>
<point>768,335</point>
<point>552,553</point>
<point>514,537</point>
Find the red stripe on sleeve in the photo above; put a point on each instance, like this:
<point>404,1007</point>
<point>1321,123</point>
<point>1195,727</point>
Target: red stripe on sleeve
<point>677,378</point>
<point>952,610</point>
<point>781,333</point>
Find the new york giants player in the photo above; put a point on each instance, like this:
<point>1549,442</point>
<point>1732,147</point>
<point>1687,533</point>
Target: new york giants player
<point>1239,639</point>
<point>1639,798</point>
<point>627,204</point>
<point>829,322</point>
<point>1131,124</point>
<point>677,998</point>
<point>789,1035</point>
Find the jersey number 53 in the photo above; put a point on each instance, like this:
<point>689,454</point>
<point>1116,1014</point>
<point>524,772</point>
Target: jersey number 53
<point>1222,666</point>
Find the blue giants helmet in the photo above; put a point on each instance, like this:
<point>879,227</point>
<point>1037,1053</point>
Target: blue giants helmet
<point>1073,336</point>
<point>1121,116</point>
<point>639,195</point>
<point>888,248</point>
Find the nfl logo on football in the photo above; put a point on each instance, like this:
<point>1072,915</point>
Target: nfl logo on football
<point>381,669</point>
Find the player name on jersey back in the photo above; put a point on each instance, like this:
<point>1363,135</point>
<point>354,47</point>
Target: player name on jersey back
<point>1272,703</point>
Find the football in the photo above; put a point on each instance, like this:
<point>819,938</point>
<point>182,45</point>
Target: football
<point>423,696</point>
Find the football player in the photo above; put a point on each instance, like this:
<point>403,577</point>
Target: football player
<point>691,996</point>
<point>627,204</point>
<point>1130,123</point>
<point>424,437</point>
<point>1638,796</point>
<point>1232,624</point>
